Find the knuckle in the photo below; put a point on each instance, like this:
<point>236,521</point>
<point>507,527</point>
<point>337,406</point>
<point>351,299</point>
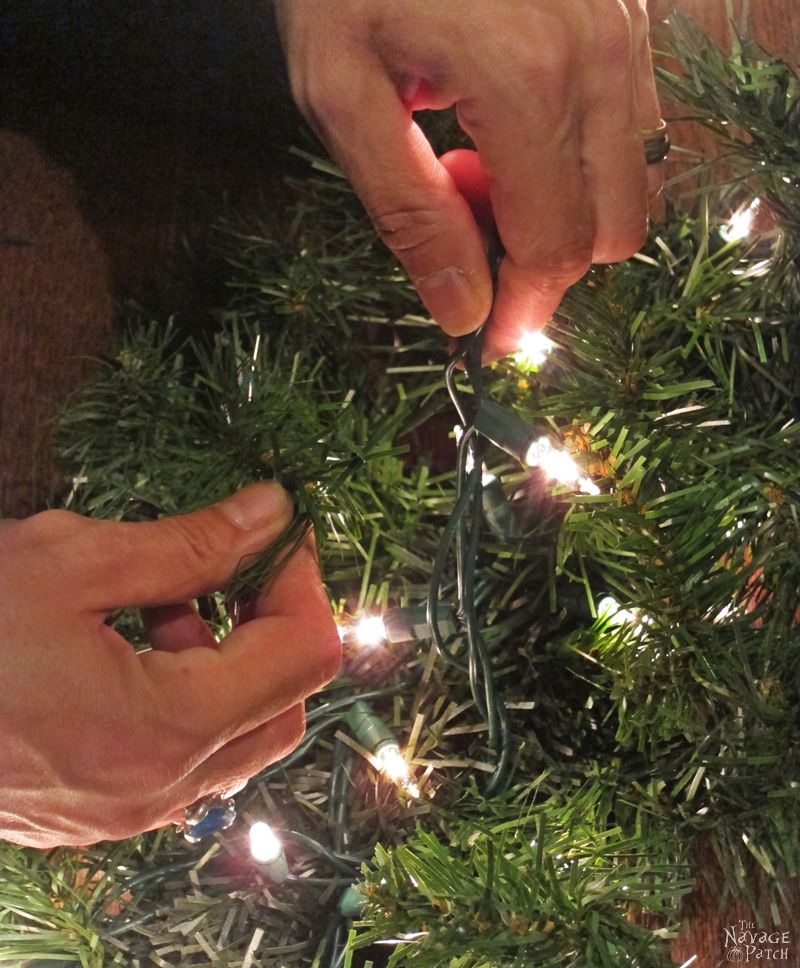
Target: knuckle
<point>197,548</point>
<point>551,67</point>
<point>473,117</point>
<point>406,231</point>
<point>548,74</point>
<point>52,525</point>
<point>563,265</point>
<point>324,100</point>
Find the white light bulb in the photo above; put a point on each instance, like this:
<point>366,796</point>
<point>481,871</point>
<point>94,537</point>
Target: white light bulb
<point>371,630</point>
<point>607,606</point>
<point>558,465</point>
<point>611,610</point>
<point>533,348</point>
<point>740,223</point>
<point>265,846</point>
<point>391,762</point>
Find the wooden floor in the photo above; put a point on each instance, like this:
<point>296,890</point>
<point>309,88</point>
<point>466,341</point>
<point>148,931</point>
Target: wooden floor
<point>94,199</point>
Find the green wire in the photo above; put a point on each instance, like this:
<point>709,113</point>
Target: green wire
<point>465,526</point>
<point>344,863</point>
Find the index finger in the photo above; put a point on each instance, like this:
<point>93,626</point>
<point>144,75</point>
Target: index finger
<point>409,196</point>
<point>288,652</point>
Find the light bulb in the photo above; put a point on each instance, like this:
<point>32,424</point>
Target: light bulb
<point>558,465</point>
<point>393,765</point>
<point>375,736</point>
<point>370,630</point>
<point>534,348</point>
<point>611,610</point>
<point>264,843</point>
<point>267,851</point>
<point>740,223</point>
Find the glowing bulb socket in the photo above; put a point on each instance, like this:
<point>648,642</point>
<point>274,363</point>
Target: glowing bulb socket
<point>267,851</point>
<point>369,729</point>
<point>410,624</point>
<point>370,630</point>
<point>504,428</point>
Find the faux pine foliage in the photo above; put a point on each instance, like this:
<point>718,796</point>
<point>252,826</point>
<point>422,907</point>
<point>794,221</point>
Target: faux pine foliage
<point>674,382</point>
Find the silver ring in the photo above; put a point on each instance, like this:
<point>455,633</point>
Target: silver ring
<point>656,143</point>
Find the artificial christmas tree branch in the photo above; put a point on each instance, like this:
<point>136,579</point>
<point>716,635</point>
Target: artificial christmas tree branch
<point>636,730</point>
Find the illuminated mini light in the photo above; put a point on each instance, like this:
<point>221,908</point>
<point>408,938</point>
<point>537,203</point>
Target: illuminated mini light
<point>370,630</point>
<point>264,843</point>
<point>558,465</point>
<point>555,463</point>
<point>588,486</point>
<point>394,766</point>
<point>407,623</point>
<point>611,610</point>
<point>511,433</point>
<point>267,851</point>
<point>740,223</point>
<point>376,737</point>
<point>534,348</point>
<point>392,763</point>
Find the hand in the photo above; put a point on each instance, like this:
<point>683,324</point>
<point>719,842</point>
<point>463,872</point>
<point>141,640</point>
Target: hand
<point>99,742</point>
<point>554,95</point>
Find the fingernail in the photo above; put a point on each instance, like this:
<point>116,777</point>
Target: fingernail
<point>258,505</point>
<point>450,299</point>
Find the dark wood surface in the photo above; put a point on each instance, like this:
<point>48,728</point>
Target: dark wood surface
<point>99,178</point>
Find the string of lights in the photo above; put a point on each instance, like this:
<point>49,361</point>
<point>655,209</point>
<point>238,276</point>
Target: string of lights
<point>307,841</point>
<point>480,502</point>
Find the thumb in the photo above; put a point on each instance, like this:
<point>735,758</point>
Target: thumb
<point>176,558</point>
<point>414,203</point>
